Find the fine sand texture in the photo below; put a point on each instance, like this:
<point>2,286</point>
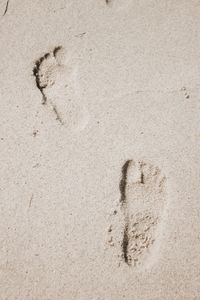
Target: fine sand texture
<point>100,150</point>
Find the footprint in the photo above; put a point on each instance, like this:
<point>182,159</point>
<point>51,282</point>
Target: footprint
<point>136,224</point>
<point>57,81</point>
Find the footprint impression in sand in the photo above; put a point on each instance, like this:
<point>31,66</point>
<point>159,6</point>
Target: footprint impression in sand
<point>135,227</point>
<point>57,81</point>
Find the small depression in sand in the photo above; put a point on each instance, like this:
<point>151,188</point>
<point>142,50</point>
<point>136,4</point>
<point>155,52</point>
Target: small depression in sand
<point>56,78</point>
<point>136,226</point>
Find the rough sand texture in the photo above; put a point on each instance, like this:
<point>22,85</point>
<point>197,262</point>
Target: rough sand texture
<point>99,144</point>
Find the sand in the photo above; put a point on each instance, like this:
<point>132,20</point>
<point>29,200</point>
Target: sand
<point>99,139</point>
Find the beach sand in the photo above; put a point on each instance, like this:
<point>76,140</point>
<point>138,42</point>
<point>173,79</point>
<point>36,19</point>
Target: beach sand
<point>99,144</point>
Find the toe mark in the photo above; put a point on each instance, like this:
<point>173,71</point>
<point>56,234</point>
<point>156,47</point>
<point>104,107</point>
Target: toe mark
<point>56,50</point>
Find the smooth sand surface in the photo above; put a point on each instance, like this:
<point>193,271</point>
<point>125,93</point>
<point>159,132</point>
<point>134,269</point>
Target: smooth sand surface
<point>99,144</point>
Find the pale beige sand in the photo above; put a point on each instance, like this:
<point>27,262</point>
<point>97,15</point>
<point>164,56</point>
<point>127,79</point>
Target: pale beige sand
<point>100,136</point>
